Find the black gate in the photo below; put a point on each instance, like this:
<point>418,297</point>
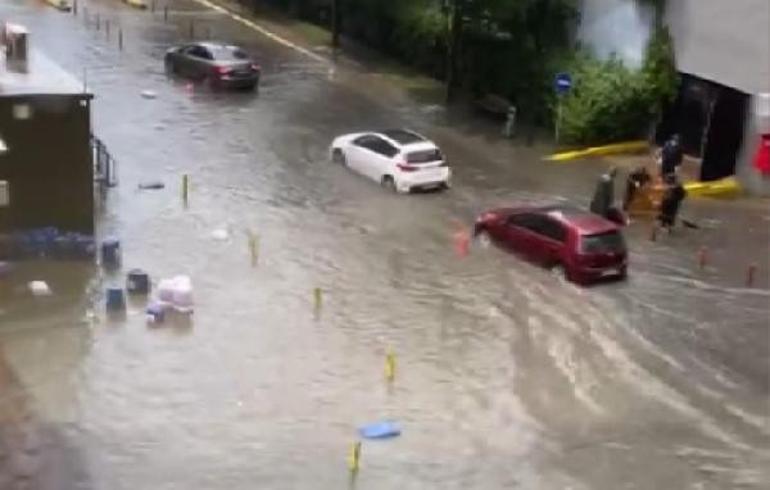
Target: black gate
<point>105,166</point>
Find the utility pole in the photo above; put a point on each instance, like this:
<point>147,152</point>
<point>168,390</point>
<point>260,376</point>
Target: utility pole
<point>454,21</point>
<point>335,23</point>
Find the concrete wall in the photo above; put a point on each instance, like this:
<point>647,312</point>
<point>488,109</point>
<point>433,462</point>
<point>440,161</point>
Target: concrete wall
<point>48,164</point>
<point>727,41</point>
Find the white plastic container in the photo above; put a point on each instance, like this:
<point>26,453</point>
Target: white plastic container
<point>166,290</point>
<point>182,298</point>
<point>177,292</point>
<point>39,288</point>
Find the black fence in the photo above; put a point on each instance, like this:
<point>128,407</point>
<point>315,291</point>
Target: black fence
<point>105,166</point>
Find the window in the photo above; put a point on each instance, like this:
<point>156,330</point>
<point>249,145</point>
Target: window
<point>5,195</point>
<point>552,229</point>
<point>384,148</point>
<point>542,225</point>
<point>609,242</point>
<point>199,52</point>
<point>424,156</point>
<point>524,220</point>
<point>22,111</point>
<point>366,141</point>
<point>228,53</point>
<point>377,145</point>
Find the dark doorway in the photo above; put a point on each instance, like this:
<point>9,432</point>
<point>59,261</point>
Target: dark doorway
<point>710,119</point>
<point>688,115</point>
<point>725,134</point>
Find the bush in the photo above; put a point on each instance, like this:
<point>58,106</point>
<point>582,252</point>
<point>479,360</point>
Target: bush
<point>611,102</point>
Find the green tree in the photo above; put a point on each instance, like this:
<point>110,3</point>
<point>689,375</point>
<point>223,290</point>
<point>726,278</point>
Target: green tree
<point>611,102</point>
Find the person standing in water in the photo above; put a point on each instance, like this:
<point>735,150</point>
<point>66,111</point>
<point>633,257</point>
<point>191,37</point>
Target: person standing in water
<point>671,156</point>
<point>604,195</point>
<point>637,179</point>
<point>672,202</point>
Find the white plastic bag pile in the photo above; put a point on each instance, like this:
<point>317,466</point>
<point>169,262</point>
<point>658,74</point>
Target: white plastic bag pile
<point>39,288</point>
<point>176,293</point>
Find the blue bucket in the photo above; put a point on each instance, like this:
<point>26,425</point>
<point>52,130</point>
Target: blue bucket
<point>137,282</point>
<point>116,300</point>
<point>156,312</point>
<point>85,246</point>
<point>111,252</point>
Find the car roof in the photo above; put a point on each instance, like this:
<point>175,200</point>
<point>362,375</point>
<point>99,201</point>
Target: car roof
<point>402,137</point>
<point>581,220</point>
<point>585,222</point>
<point>216,44</point>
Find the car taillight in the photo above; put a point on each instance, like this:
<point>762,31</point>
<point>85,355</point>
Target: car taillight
<point>486,217</point>
<point>255,67</point>
<point>405,167</point>
<point>223,70</point>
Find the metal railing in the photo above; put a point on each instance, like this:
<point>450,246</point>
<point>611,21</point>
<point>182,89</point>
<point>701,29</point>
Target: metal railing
<point>105,166</point>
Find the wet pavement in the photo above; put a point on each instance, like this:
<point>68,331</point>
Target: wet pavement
<point>507,377</point>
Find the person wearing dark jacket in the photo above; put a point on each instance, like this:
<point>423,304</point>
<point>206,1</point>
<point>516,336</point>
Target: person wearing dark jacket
<point>671,156</point>
<point>637,179</point>
<point>671,202</point>
<point>604,194</point>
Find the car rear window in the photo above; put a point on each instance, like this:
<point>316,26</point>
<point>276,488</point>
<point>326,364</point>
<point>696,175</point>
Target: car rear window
<point>228,53</point>
<point>608,242</point>
<point>425,156</point>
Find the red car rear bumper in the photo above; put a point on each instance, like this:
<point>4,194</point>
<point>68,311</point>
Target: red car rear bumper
<point>594,274</point>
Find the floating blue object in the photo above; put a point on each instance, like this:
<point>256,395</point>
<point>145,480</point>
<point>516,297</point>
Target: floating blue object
<point>51,242</point>
<point>380,430</point>
<point>116,300</point>
<point>111,252</point>
<point>156,311</point>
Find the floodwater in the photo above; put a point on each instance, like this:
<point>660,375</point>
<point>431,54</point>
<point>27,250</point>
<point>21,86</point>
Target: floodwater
<point>507,377</point>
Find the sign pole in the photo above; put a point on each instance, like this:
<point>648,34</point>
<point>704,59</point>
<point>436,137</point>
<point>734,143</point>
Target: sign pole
<point>562,85</point>
<point>558,118</point>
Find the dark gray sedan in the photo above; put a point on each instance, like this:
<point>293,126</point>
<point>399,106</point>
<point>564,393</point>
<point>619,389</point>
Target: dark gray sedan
<point>220,65</point>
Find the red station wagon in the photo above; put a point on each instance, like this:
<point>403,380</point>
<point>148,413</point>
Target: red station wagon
<point>586,246</point>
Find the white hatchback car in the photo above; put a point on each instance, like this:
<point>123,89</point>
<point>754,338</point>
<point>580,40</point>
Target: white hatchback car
<point>398,159</point>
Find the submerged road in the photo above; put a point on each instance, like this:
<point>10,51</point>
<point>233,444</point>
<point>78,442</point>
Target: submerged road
<point>507,377</point>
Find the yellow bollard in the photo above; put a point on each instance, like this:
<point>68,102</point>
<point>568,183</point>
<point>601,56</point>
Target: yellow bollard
<point>185,188</point>
<point>354,457</point>
<point>254,249</point>
<point>390,366</point>
<point>317,298</point>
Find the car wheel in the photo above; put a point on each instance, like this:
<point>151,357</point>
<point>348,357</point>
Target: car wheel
<point>389,183</point>
<point>170,68</point>
<point>484,239</point>
<point>623,275</point>
<point>338,157</point>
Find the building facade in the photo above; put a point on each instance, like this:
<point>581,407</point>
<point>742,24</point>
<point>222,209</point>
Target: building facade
<point>46,166</point>
<point>723,52</point>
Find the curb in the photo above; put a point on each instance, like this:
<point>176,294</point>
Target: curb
<point>628,147</point>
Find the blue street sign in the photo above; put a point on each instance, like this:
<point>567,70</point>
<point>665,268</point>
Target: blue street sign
<point>563,83</point>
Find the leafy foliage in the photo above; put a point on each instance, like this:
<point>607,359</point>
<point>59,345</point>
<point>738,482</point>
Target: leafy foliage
<point>611,102</point>
<point>513,48</point>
